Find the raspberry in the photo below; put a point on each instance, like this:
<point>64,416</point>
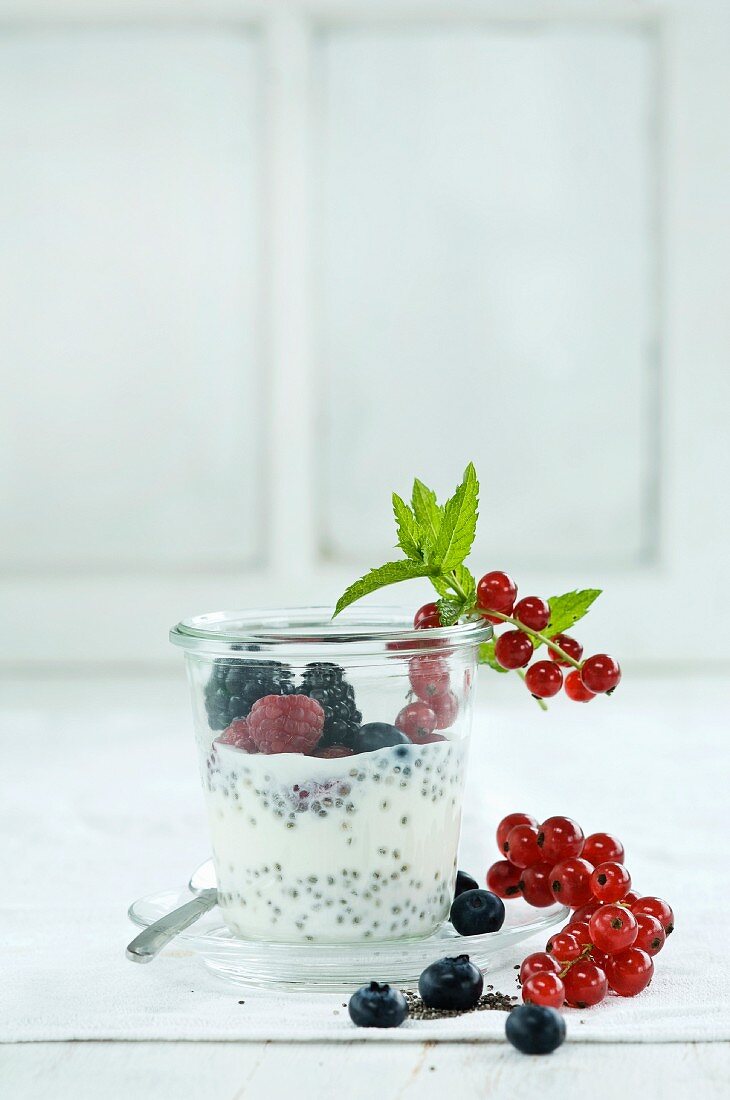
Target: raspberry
<point>238,735</point>
<point>286,723</point>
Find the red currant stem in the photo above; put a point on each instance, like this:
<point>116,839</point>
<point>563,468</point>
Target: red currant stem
<point>583,955</point>
<point>540,702</point>
<point>534,633</point>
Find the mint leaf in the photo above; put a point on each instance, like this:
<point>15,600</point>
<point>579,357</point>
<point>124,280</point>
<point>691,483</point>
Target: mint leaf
<point>459,524</point>
<point>450,611</point>
<point>486,656</point>
<point>409,538</point>
<point>428,513</point>
<point>391,573</point>
<point>567,609</point>
<point>464,579</point>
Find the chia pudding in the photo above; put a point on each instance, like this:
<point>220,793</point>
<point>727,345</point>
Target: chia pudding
<point>325,850</point>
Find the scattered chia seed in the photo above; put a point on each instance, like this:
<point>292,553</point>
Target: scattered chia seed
<point>490,1002</point>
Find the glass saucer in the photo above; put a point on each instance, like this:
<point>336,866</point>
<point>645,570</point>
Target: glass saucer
<point>338,967</point>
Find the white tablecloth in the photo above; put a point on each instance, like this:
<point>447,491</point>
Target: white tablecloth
<point>99,804</point>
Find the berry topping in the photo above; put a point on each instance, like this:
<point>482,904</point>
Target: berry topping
<point>559,838</point>
<point>508,823</point>
<point>585,984</point>
<point>544,988</point>
<point>544,679</point>
<point>603,848</point>
<point>477,911</point>
<point>429,676</point>
<point>286,723</point>
<point>235,685</point>
<point>568,645</point>
<point>521,846</point>
<point>535,1029</point>
<point>416,721</point>
<point>613,928</point>
<point>427,617</point>
<point>600,673</point>
<point>496,591</point>
<point>513,649</point>
<point>576,690</point>
<point>571,882</point>
<point>451,983</point>
<point>238,736</point>
<point>504,879</point>
<point>326,683</point>
<point>533,612</point>
<point>334,752</point>
<point>377,1005</point>
<point>377,735</point>
<point>464,882</point>
<point>610,882</point>
<point>629,972</point>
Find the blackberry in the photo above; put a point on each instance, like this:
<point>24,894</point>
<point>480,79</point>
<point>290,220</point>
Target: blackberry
<point>326,683</point>
<point>235,685</point>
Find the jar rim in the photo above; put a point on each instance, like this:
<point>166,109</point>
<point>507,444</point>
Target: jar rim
<point>369,629</point>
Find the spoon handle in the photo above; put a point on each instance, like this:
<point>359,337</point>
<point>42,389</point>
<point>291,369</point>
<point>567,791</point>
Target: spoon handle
<point>150,941</point>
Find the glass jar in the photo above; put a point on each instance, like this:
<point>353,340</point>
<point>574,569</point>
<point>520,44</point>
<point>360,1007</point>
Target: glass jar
<point>332,756</point>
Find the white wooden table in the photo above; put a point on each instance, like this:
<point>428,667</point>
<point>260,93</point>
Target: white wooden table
<point>225,1070</point>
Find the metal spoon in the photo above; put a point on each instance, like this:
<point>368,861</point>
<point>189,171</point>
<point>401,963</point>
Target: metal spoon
<point>148,944</point>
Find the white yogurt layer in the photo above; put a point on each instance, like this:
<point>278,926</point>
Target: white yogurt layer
<point>358,848</point>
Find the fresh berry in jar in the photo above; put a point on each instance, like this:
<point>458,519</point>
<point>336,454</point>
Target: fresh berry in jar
<point>521,846</point>
<point>451,983</point>
<point>610,882</point>
<point>496,591</point>
<point>564,947</point>
<point>377,1005</point>
<point>544,988</point>
<point>508,823</point>
<point>535,1029</point>
<point>446,708</point>
<point>601,673</point>
<point>533,612</point>
<point>536,885</point>
<point>603,848</point>
<point>559,838</point>
<point>416,720</point>
<point>538,962</point>
<point>655,907</point>
<point>613,928</point>
<point>235,685</point>
<point>568,645</point>
<point>429,676</point>
<point>286,723</point>
<point>326,682</point>
<point>238,736</point>
<point>571,882</point>
<point>477,911</point>
<point>585,984</point>
<point>464,882</point>
<point>513,649</point>
<point>503,879</point>
<point>629,972</point>
<point>427,617</point>
<point>651,937</point>
<point>576,690</point>
<point>377,735</point>
<point>334,752</point>
<point>543,679</point>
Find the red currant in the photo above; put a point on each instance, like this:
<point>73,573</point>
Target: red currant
<point>446,708</point>
<point>603,848</point>
<point>559,838</point>
<point>629,972</point>
<point>496,591</point>
<point>655,907</point>
<point>576,690</point>
<point>631,898</point>
<point>521,846</point>
<point>580,931</point>
<point>513,649</point>
<point>585,985</point>
<point>568,645</point>
<point>503,879</point>
<point>429,676</point>
<point>416,720</point>
<point>536,885</point>
<point>507,823</point>
<point>544,679</point>
<point>600,673</point>
<point>571,882</point>
<point>600,958</point>
<point>613,929</point>
<point>427,617</point>
<point>544,988</point>
<point>537,963</point>
<point>651,936</point>
<point>564,947</point>
<point>586,911</point>
<point>533,612</point>
<point>610,882</point>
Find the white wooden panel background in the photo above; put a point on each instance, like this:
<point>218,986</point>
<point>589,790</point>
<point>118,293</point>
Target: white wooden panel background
<point>262,262</point>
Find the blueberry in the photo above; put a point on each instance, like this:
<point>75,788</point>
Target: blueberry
<point>477,911</point>
<point>377,1006</point>
<point>534,1029</point>
<point>464,882</point>
<point>451,983</point>
<point>377,735</point>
